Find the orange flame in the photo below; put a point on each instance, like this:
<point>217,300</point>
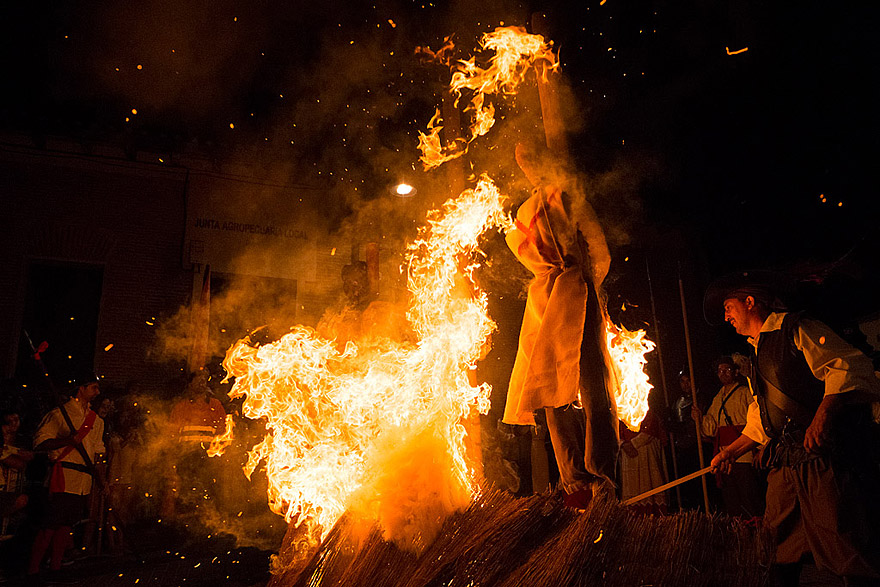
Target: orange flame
<point>376,427</point>
<point>627,350</point>
<point>516,51</point>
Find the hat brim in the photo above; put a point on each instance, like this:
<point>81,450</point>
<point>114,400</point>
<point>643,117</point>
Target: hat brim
<point>777,285</point>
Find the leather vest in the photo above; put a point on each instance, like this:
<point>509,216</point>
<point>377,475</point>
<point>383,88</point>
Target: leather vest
<point>787,391</point>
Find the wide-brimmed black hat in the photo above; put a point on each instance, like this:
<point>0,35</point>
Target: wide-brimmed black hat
<point>777,290</point>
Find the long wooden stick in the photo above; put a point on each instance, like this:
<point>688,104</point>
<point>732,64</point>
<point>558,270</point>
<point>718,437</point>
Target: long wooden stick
<point>669,485</point>
<point>554,137</point>
<point>690,357</point>
<point>548,94</point>
<point>663,381</point>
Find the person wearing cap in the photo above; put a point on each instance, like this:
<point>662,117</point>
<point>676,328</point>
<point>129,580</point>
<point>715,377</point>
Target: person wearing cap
<point>811,414</point>
<point>70,480</point>
<point>724,421</point>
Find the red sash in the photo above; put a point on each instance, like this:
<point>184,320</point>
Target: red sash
<point>56,481</point>
<point>726,435</point>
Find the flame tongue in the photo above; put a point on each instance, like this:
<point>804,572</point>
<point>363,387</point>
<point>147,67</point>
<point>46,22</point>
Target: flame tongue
<point>516,52</point>
<point>627,350</point>
<point>376,426</point>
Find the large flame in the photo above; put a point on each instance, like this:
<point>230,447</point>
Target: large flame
<point>373,424</point>
<point>628,349</point>
<point>516,51</point>
<point>376,427</point>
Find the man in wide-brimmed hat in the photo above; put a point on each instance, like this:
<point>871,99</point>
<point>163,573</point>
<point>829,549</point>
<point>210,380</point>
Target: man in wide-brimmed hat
<point>811,413</point>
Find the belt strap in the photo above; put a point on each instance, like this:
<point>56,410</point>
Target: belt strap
<point>76,467</point>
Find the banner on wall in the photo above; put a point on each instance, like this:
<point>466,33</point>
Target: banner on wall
<point>251,229</point>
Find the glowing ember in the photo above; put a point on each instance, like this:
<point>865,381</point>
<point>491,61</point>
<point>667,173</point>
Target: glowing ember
<point>376,427</point>
<point>516,52</point>
<point>627,350</point>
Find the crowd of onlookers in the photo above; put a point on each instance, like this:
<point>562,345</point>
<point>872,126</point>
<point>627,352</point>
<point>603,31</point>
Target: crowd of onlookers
<point>25,473</point>
<point>149,467</point>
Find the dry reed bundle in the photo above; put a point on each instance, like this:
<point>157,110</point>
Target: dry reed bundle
<point>505,541</point>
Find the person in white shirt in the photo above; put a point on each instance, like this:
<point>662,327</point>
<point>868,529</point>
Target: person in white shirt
<point>70,479</point>
<point>741,489</point>
<point>811,414</point>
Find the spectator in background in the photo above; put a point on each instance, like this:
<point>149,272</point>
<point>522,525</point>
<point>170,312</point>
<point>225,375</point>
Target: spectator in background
<point>741,489</point>
<point>103,406</point>
<point>127,447</point>
<point>13,460</point>
<point>641,464</point>
<point>98,505</point>
<point>683,434</point>
<point>195,420</point>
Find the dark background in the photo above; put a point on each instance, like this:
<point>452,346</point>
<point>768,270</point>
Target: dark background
<point>718,161</point>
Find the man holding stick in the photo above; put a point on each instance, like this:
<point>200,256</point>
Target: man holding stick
<point>72,453</point>
<point>812,394</point>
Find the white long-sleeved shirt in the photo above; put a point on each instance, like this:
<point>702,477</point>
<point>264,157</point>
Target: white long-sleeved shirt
<point>832,360</point>
<point>735,412</point>
<point>54,426</point>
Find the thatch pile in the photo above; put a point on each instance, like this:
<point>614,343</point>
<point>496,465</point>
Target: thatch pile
<point>505,541</point>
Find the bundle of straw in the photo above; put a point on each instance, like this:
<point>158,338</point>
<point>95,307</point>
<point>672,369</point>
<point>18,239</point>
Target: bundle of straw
<point>505,541</point>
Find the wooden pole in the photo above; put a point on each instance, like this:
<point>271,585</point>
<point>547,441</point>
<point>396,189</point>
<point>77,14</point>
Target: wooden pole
<point>690,356</point>
<point>455,171</point>
<point>200,320</point>
<point>663,380</point>
<point>669,485</point>
<point>548,93</point>
<point>557,144</point>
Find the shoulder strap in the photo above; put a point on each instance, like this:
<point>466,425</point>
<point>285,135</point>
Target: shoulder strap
<point>789,406</point>
<point>724,402</point>
<point>83,431</point>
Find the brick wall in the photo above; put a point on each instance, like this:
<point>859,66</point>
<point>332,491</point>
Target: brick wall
<point>127,217</point>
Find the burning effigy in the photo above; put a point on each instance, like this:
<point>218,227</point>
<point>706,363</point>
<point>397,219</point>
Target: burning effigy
<point>365,450</point>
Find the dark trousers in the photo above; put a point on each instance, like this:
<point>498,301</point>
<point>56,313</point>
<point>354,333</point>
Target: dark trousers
<point>743,491</point>
<point>828,510</point>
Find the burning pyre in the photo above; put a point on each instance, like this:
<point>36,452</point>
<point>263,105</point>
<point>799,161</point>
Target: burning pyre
<point>373,426</point>
<point>376,427</point>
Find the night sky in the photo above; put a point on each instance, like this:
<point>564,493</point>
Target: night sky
<point>740,134</point>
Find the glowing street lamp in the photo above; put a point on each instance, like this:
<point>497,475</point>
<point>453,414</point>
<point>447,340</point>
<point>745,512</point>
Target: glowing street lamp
<point>404,190</point>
